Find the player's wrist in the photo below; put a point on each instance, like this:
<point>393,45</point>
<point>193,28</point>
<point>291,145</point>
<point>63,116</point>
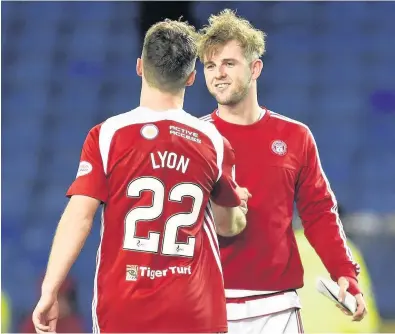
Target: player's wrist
<point>51,295</point>
<point>49,290</point>
<point>353,285</point>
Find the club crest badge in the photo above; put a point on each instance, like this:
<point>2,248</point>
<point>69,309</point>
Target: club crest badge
<point>149,131</point>
<point>279,147</point>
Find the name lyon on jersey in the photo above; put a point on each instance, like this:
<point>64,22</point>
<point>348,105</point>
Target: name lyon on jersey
<point>169,160</point>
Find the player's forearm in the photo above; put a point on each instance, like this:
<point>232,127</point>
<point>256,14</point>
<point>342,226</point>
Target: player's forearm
<point>69,239</point>
<point>316,205</point>
<point>327,237</point>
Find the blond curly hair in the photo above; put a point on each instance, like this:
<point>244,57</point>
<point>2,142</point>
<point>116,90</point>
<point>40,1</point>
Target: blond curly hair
<point>227,26</point>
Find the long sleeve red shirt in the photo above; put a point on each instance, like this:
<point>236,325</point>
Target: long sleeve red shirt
<point>277,160</point>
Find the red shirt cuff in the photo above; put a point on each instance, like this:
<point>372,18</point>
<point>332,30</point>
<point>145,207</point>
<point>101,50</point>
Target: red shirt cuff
<point>353,288</point>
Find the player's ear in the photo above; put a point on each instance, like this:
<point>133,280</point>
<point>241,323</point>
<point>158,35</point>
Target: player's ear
<point>256,67</point>
<point>191,79</point>
<point>139,67</point>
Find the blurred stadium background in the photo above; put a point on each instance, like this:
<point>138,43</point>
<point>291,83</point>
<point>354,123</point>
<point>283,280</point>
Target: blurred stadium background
<point>67,66</point>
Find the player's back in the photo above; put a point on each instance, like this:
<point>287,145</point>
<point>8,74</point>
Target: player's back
<point>158,262</point>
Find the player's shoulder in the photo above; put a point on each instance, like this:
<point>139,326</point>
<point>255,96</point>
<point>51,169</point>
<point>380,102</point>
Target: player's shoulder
<point>123,119</point>
<point>135,117</point>
<point>141,115</point>
<point>104,131</point>
<point>206,127</point>
<point>216,140</point>
<point>209,121</point>
<point>289,123</point>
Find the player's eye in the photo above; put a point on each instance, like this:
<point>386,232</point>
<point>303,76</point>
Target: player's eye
<point>210,66</point>
<point>230,64</point>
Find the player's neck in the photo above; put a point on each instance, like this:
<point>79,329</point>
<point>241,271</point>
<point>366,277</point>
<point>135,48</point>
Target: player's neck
<point>245,112</point>
<point>159,101</point>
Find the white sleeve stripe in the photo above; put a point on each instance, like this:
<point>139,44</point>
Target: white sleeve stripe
<point>334,208</point>
<point>210,210</point>
<point>209,205</point>
<point>213,248</point>
<point>210,224</point>
<point>206,117</point>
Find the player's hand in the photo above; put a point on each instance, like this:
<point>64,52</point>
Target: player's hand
<point>46,314</point>
<point>361,310</point>
<point>243,207</point>
<point>243,193</point>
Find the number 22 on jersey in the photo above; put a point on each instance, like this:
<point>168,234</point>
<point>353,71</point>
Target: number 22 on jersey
<point>144,215</point>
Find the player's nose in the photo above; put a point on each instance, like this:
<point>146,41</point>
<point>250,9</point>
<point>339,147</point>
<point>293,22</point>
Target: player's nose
<point>220,72</point>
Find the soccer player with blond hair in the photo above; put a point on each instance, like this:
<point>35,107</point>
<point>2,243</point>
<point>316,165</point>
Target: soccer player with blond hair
<point>277,160</point>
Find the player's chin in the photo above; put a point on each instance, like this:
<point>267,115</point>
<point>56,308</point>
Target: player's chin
<point>224,99</point>
<point>220,97</point>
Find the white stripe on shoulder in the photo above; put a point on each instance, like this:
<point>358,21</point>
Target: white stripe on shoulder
<point>143,115</point>
<point>206,118</point>
<point>287,119</point>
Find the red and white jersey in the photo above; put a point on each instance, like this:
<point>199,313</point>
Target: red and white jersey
<point>277,160</point>
<point>158,265</point>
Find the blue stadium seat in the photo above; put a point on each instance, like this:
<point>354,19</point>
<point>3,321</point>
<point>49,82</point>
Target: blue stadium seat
<point>290,13</point>
<point>204,9</point>
<point>22,137</point>
<point>83,11</point>
<point>51,11</point>
<point>89,42</point>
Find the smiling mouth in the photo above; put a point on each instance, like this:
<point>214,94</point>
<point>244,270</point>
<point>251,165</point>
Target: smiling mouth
<point>222,85</point>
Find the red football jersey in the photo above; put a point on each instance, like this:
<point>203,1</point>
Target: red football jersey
<point>277,160</point>
<point>158,265</point>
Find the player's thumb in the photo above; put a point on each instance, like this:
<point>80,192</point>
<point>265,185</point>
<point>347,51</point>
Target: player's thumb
<point>343,284</point>
<point>247,193</point>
